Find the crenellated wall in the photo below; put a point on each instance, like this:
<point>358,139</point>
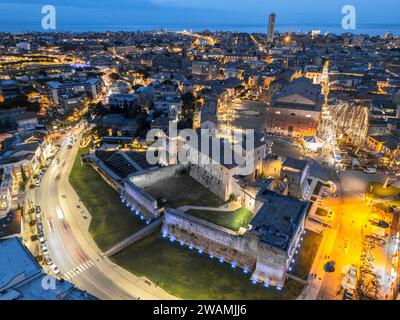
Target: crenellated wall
<point>268,264</point>
<point>133,191</point>
<point>141,200</point>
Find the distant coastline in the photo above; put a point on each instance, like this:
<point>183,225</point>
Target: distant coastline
<point>370,29</point>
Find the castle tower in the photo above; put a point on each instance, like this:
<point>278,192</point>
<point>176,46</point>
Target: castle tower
<point>271,28</point>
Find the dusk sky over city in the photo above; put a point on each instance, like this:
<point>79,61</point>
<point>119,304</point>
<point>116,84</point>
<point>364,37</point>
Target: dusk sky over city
<point>20,15</point>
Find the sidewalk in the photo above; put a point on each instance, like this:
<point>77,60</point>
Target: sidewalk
<point>311,291</point>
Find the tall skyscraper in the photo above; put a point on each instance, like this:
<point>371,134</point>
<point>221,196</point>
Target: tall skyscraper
<point>271,27</point>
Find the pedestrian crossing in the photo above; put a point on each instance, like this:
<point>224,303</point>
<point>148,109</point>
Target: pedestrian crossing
<point>78,269</point>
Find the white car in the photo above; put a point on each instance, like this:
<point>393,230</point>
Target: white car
<point>55,269</point>
<point>371,170</point>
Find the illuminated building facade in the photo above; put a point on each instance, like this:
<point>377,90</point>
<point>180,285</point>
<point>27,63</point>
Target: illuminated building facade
<point>295,110</point>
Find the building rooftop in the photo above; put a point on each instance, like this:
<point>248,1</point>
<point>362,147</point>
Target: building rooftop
<point>25,116</point>
<point>296,164</point>
<point>15,261</point>
<point>299,94</point>
<point>21,277</point>
<point>278,219</point>
<point>78,82</point>
<point>390,141</point>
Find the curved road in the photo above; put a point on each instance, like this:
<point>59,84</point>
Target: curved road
<point>70,245</point>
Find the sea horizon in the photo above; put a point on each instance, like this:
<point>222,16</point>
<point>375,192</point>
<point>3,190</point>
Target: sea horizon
<point>369,29</point>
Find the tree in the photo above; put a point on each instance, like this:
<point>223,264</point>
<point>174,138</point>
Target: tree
<point>114,76</point>
<point>188,103</point>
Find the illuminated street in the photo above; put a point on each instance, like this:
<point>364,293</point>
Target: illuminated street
<point>70,244</point>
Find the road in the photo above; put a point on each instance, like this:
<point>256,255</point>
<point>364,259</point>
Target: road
<point>343,242</point>
<point>70,245</point>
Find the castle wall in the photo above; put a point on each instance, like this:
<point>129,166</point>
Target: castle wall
<point>141,200</point>
<point>245,251</point>
<point>271,266</point>
<point>214,177</point>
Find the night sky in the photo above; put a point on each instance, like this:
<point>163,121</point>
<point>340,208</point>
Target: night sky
<point>218,14</point>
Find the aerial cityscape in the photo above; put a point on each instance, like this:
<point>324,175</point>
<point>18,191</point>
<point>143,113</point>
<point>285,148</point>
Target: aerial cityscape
<point>200,163</point>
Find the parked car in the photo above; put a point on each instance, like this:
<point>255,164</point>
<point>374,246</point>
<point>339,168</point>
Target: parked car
<point>55,269</point>
<point>370,170</point>
<point>48,261</point>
